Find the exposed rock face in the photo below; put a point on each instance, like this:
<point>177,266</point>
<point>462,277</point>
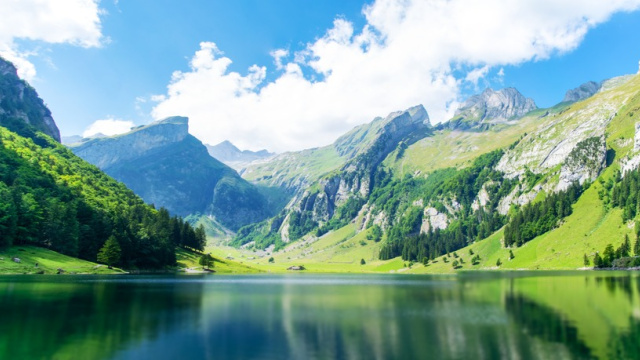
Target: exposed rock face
<point>21,105</point>
<point>495,106</point>
<point>238,159</point>
<point>355,177</point>
<point>168,167</point>
<point>433,219</point>
<point>584,163</point>
<point>582,92</point>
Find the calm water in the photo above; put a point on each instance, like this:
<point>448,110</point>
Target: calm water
<point>479,316</point>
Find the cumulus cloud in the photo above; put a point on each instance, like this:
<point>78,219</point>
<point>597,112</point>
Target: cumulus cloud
<point>407,53</point>
<point>75,22</point>
<point>108,127</point>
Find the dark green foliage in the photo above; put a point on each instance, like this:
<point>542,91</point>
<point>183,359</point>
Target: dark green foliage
<point>455,264</point>
<point>511,256</point>
<point>110,253</point>
<point>206,261</point>
<point>300,224</point>
<point>619,258</point>
<point>475,260</point>
<point>538,218</point>
<point>624,194</point>
<point>597,261</point>
<point>498,263</point>
<point>271,260</point>
<point>375,233</point>
<point>362,262</point>
<point>53,199</point>
<point>397,197</point>
<point>586,260</point>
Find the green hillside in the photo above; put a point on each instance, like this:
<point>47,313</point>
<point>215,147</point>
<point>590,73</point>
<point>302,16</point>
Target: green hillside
<point>455,189</point>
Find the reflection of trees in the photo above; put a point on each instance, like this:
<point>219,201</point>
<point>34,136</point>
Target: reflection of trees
<point>543,322</point>
<point>626,345</point>
<point>88,320</point>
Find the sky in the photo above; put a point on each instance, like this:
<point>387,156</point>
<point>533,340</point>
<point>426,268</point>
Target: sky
<point>287,75</point>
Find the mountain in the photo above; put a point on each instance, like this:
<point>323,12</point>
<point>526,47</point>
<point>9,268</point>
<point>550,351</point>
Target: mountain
<point>235,158</point>
<point>53,199</point>
<point>546,189</point>
<point>582,92</point>
<point>491,107</point>
<point>73,139</point>
<point>21,110</point>
<point>343,190</point>
<point>168,167</point>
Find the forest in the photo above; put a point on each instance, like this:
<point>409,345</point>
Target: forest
<point>53,199</point>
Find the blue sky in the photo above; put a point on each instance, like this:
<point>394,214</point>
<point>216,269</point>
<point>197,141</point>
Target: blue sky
<point>313,97</point>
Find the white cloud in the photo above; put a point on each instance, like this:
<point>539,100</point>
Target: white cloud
<point>108,127</point>
<point>405,54</point>
<point>75,22</point>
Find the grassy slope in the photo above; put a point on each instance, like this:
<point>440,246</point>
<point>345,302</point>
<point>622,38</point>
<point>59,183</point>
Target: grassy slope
<point>589,229</point>
<point>189,259</point>
<point>48,261</point>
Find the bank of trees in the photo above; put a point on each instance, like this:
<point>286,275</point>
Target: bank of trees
<point>51,198</point>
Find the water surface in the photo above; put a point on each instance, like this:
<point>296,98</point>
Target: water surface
<point>574,315</point>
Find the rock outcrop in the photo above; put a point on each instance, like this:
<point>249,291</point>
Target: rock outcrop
<point>22,109</point>
<point>493,107</point>
<point>582,92</point>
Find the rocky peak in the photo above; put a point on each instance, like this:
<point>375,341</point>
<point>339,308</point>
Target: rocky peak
<point>22,105</point>
<point>490,105</point>
<point>238,159</point>
<point>106,151</point>
<point>582,92</point>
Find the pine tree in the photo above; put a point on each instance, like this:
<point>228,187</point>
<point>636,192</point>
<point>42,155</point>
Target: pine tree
<point>586,260</point>
<point>597,261</point>
<point>110,252</point>
<point>498,263</point>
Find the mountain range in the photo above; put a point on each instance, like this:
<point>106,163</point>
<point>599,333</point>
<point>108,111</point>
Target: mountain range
<point>510,184</point>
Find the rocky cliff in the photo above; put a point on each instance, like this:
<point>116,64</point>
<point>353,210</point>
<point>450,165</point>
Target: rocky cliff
<point>21,109</point>
<point>582,92</point>
<point>492,107</point>
<point>168,167</point>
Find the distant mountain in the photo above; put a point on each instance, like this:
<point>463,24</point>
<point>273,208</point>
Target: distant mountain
<point>582,92</point>
<point>21,110</point>
<point>492,107</point>
<point>72,139</point>
<point>238,159</point>
<point>168,167</point>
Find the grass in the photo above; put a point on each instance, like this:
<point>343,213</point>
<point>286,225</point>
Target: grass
<point>189,260</point>
<point>48,262</point>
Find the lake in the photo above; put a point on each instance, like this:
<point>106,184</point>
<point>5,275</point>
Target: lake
<point>526,315</point>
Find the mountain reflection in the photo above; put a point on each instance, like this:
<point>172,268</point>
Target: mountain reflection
<point>528,316</point>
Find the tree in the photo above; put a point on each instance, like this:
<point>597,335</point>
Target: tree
<point>201,238</point>
<point>636,246</point>
<point>454,264</point>
<point>597,261</point>
<point>470,252</point>
<point>608,256</point>
<point>511,256</point>
<point>586,260</point>
<point>271,260</point>
<point>110,253</point>
<point>375,233</point>
<point>498,263</point>
<point>362,262</point>
<point>425,261</point>
<point>206,260</point>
